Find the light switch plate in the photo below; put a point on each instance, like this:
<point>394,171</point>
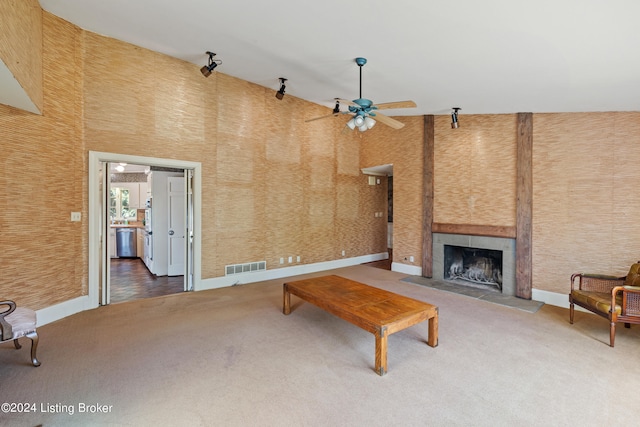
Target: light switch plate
<point>76,216</point>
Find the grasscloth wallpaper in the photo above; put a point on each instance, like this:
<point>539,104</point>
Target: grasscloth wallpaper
<point>475,171</point>
<point>275,186</point>
<point>586,210</point>
<point>403,149</point>
<point>21,44</point>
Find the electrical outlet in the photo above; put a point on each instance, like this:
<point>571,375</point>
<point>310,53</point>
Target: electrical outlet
<point>290,259</point>
<point>343,253</point>
<point>281,260</point>
<point>411,258</point>
<point>76,216</point>
<point>298,258</point>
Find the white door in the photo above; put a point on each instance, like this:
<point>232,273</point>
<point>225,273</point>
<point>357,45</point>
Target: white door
<point>177,225</point>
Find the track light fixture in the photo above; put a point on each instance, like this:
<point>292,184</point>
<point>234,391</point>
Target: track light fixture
<point>280,92</point>
<point>208,69</point>
<point>454,118</point>
<point>336,109</point>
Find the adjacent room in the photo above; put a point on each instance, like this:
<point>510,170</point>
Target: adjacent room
<point>168,167</point>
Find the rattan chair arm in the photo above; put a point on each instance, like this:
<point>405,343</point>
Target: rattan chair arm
<point>589,282</point>
<point>624,290</point>
<point>602,276</point>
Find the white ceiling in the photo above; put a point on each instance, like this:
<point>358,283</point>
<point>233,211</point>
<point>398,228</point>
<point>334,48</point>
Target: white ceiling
<point>487,57</point>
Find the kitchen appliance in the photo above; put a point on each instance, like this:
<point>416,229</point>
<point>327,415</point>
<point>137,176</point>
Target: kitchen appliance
<point>125,242</point>
<point>147,219</point>
<point>148,249</point>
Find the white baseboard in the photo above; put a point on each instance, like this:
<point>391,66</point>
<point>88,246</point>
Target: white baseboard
<point>277,273</point>
<point>67,308</point>
<point>76,305</point>
<point>63,309</point>
<point>414,270</point>
<point>553,298</point>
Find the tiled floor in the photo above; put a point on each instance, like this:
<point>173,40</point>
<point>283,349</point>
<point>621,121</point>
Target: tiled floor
<point>130,279</point>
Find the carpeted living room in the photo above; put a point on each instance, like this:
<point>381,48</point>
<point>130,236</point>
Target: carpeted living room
<point>502,165</point>
<point>231,357</point>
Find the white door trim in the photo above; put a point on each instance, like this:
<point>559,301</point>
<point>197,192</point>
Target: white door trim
<point>95,213</point>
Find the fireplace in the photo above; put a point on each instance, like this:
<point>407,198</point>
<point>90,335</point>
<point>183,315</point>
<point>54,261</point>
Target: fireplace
<point>479,261</point>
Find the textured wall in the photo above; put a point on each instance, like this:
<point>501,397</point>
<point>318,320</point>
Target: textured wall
<point>43,255</point>
<point>404,149</point>
<point>475,170</point>
<point>21,44</point>
<point>273,186</point>
<point>585,207</point>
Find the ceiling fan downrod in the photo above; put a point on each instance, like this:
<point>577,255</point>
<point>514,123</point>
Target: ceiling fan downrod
<point>361,62</point>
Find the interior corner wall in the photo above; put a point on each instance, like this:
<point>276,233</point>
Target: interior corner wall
<point>21,47</point>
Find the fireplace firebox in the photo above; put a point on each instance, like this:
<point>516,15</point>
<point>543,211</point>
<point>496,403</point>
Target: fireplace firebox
<point>473,266</point>
<point>478,260</point>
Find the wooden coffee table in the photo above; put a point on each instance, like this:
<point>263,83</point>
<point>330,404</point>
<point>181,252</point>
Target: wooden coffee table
<point>375,310</point>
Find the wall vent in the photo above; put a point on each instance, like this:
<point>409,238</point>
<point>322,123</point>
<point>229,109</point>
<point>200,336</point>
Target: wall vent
<point>248,267</point>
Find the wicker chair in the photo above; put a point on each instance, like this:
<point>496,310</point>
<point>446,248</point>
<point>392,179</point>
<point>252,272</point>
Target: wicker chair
<point>614,298</point>
<point>18,322</point>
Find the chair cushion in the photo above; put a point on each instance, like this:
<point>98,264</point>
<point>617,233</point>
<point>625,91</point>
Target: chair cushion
<point>22,320</point>
<point>598,301</point>
<point>633,277</point>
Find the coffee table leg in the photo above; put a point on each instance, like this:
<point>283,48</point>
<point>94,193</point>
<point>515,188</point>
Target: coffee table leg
<point>286,300</point>
<point>433,330</point>
<point>381,351</point>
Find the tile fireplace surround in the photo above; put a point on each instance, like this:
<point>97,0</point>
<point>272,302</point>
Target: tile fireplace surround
<point>506,246</point>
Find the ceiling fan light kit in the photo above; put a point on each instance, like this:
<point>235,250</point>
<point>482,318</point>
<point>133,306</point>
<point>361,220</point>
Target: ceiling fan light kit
<point>364,110</point>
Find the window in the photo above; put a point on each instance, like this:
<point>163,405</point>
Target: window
<point>119,204</point>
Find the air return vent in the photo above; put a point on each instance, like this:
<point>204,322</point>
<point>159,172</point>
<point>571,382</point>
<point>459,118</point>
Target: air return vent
<point>249,267</point>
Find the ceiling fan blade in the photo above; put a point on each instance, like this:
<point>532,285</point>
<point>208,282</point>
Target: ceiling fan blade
<point>321,117</point>
<point>397,104</point>
<point>347,102</point>
<point>388,121</point>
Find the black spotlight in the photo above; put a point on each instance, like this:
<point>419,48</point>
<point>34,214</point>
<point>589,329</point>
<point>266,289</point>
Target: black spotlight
<point>207,69</point>
<point>280,92</point>
<point>454,117</point>
<point>336,109</point>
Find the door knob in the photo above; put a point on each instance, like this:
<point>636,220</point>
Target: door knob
<point>170,232</point>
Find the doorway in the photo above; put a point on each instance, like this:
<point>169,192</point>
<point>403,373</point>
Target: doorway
<point>132,271</point>
<point>376,175</point>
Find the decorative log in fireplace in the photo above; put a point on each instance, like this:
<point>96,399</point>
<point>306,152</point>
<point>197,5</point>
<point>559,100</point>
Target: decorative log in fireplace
<point>474,265</point>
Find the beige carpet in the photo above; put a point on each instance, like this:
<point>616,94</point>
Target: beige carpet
<point>229,357</point>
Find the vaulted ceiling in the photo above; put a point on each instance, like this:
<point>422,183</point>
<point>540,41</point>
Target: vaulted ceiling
<point>487,57</point>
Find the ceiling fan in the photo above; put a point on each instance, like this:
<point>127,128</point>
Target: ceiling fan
<point>364,112</point>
